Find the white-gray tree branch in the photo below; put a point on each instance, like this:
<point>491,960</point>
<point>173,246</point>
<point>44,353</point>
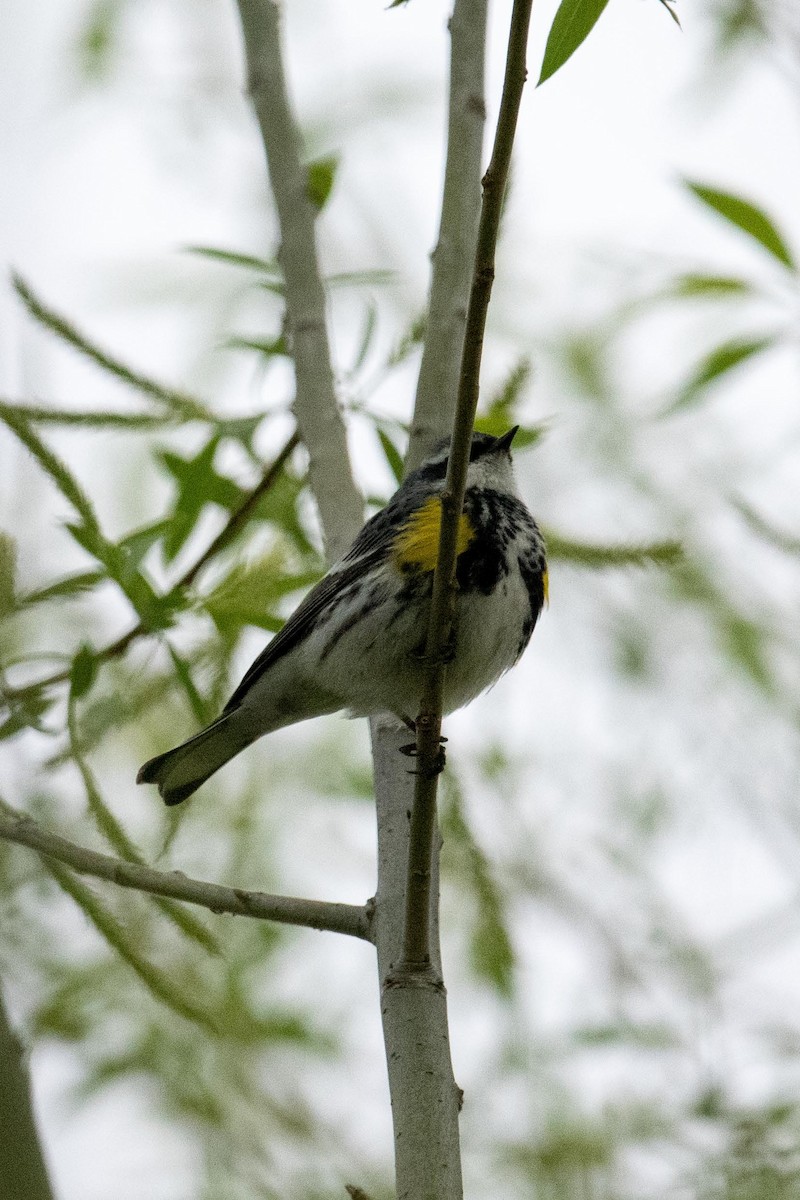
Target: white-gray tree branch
<point>454,256</point>
<point>318,417</point>
<point>352,919</point>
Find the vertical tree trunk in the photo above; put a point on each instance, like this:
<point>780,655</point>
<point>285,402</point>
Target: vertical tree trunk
<point>425,1098</point>
<point>23,1174</point>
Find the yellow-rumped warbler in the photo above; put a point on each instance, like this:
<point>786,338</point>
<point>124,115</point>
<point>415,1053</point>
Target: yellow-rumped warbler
<point>357,640</point>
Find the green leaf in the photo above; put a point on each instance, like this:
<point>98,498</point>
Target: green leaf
<point>198,484</point>
<point>155,611</point>
<point>242,429</point>
<point>666,5</point>
<point>711,287</point>
<point>190,925</point>
<point>719,362</point>
<point>200,708</point>
<point>504,399</point>
<point>367,337</point>
<point>26,712</point>
<point>118,937</point>
<point>280,506</point>
<point>411,340</point>
<point>500,414</point>
<point>269,347</point>
<point>67,588</point>
<point>789,543</point>
<point>52,465</point>
<point>236,258</point>
<point>320,178</point>
<point>137,543</point>
<point>393,455</point>
<point>249,593</point>
<point>8,564</point>
<point>89,538</point>
<point>83,672</point>
<point>180,402</point>
<point>746,644</point>
<point>594,555</point>
<point>97,38</point>
<point>378,277</point>
<point>573,23</point>
<point>92,418</point>
<point>491,950</point>
<point>746,216</point>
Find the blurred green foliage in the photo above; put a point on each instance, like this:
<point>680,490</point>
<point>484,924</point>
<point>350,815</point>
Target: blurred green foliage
<point>217,1017</point>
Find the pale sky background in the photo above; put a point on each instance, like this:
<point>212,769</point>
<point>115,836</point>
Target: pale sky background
<point>100,190</point>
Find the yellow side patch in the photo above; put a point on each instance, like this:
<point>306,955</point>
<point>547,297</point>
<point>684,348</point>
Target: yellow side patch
<point>417,543</point>
<point>546,585</point>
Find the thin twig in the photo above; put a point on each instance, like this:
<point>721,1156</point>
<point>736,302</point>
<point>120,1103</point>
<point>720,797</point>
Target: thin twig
<point>235,523</point>
<point>416,941</point>
<point>318,416</point>
<point>352,919</point>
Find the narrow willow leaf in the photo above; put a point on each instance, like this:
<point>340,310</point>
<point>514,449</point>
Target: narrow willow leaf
<point>137,543</point>
<point>54,467</point>
<point>666,5</point>
<point>591,554</point>
<point>788,542</point>
<point>410,341</point>
<point>719,362</point>
<point>269,347</point>
<point>8,566</point>
<point>249,593</point>
<point>393,455</point>
<point>237,258</point>
<point>377,277</point>
<point>187,406</point>
<point>320,178</point>
<point>83,672</point>
<point>154,611</point>
<point>157,983</point>
<point>746,643</point>
<point>200,708</point>
<point>491,950</point>
<point>108,825</point>
<point>504,398</point>
<point>91,418</point>
<point>711,287</point>
<point>96,40</point>
<point>573,23</point>
<point>367,337</point>
<point>746,216</point>
<point>26,712</point>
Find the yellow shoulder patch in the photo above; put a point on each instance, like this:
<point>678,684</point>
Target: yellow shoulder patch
<point>417,543</point>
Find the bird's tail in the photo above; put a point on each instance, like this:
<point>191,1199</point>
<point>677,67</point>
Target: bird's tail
<point>181,771</point>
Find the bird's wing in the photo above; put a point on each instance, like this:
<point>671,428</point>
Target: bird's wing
<point>302,620</point>
<point>376,534</point>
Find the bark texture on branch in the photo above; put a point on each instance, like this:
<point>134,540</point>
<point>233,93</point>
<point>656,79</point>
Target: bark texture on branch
<point>352,919</point>
<point>454,255</point>
<point>318,417</point>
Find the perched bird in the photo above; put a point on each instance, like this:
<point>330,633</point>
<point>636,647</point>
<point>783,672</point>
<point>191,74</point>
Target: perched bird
<point>357,640</point>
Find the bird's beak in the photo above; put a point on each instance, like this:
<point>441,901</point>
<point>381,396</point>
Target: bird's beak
<point>504,442</point>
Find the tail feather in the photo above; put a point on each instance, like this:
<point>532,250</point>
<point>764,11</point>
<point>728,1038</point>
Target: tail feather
<point>180,772</point>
